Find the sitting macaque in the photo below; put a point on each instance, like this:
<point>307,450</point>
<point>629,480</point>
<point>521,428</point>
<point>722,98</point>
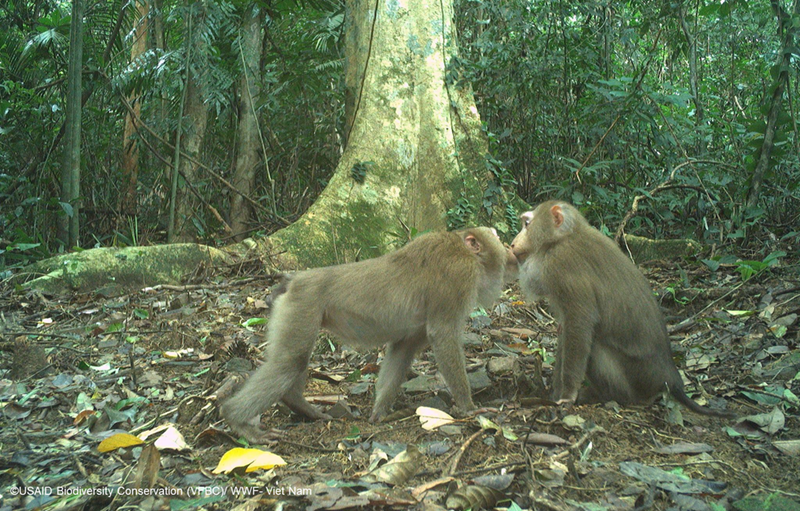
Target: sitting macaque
<point>611,332</point>
<point>417,296</point>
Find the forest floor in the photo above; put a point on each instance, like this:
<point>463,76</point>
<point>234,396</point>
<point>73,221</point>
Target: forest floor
<point>81,369</point>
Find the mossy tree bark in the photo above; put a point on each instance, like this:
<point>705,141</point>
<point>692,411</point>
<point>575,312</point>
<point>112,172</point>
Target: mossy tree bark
<point>414,147</point>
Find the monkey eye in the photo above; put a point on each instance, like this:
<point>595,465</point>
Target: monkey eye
<point>526,218</point>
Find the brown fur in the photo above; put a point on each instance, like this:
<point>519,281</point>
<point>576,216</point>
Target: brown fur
<point>417,296</point>
<point>611,331</point>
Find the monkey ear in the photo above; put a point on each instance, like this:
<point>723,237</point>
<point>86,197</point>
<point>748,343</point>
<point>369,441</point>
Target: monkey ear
<point>558,216</point>
<point>472,243</point>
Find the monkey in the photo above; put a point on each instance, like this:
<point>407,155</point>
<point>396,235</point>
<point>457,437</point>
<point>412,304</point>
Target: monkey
<point>611,331</point>
<point>417,296</point>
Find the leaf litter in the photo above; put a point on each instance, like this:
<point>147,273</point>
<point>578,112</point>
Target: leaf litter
<point>114,395</point>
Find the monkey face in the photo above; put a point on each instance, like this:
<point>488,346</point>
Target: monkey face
<point>542,227</point>
<point>522,245</point>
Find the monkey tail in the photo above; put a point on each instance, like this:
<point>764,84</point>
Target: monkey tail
<point>278,289</point>
<point>676,389</point>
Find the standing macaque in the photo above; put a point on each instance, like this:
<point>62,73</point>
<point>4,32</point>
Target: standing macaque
<point>417,296</point>
<point>611,331</point>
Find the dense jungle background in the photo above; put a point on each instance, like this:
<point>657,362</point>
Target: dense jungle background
<point>592,102</point>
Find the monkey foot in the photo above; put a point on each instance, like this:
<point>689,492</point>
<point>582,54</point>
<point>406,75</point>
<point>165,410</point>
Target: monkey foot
<point>377,417</point>
<point>257,435</point>
<point>321,416</point>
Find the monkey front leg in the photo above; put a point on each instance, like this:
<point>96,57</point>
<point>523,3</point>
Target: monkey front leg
<point>449,353</point>
<point>574,348</point>
<point>394,369</point>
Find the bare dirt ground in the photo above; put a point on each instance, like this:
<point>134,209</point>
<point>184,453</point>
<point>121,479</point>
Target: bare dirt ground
<point>78,369</point>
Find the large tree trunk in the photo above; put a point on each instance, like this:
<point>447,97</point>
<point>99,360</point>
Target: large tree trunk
<point>248,141</point>
<point>415,146</point>
<point>415,151</point>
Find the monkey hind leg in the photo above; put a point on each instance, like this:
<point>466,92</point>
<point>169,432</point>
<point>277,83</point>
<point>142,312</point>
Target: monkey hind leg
<point>283,374</point>
<point>394,368</point>
<point>243,410</point>
<point>608,378</point>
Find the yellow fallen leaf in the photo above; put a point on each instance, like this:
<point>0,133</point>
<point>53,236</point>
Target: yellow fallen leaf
<point>119,441</point>
<point>240,457</point>
<point>265,461</point>
<point>235,458</point>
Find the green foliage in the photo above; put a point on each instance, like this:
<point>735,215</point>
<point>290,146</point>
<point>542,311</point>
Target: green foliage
<point>496,200</point>
<point>16,254</point>
<point>595,105</point>
<point>584,101</point>
<point>459,215</point>
<point>300,110</point>
<point>746,268</point>
<point>749,268</point>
